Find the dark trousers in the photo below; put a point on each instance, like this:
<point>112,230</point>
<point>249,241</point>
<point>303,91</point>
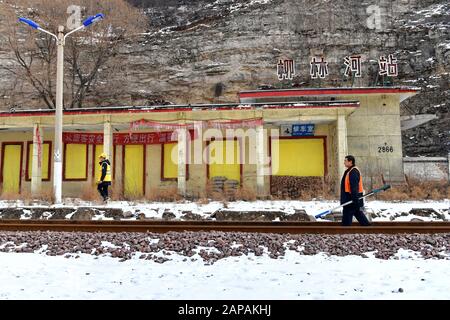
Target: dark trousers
<point>350,211</point>
<point>103,189</point>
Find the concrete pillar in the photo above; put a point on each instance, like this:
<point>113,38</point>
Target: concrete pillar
<point>260,177</point>
<point>341,142</point>
<point>36,165</point>
<point>182,151</point>
<point>107,139</point>
<point>91,163</point>
<point>448,163</point>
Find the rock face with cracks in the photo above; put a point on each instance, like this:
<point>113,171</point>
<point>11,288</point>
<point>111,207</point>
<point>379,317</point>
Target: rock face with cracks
<point>205,51</point>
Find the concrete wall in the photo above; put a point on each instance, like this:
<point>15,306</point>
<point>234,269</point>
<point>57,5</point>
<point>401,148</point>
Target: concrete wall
<point>376,124</point>
<point>198,177</point>
<point>372,126</point>
<point>428,168</point>
<point>196,183</point>
<point>22,136</point>
<point>69,188</point>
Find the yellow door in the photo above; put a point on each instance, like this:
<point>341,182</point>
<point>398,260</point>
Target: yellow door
<point>12,159</point>
<point>224,159</point>
<point>170,161</point>
<point>298,157</point>
<point>75,162</point>
<point>134,171</point>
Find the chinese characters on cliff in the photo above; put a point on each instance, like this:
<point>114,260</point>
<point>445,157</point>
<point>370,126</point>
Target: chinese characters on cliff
<point>387,66</point>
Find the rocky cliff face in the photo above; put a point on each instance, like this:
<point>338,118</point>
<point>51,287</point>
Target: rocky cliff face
<point>208,50</point>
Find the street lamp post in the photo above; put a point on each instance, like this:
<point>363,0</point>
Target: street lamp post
<point>60,40</point>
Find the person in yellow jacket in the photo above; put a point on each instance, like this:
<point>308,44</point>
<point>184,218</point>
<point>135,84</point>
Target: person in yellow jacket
<point>352,190</point>
<point>104,180</point>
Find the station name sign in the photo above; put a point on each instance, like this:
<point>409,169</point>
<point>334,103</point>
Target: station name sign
<point>298,130</point>
<point>387,66</point>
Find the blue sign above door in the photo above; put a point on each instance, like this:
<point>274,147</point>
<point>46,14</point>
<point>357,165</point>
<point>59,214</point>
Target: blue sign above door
<point>303,129</point>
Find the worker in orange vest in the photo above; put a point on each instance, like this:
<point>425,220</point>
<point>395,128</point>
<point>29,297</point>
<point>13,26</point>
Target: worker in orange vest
<point>352,190</point>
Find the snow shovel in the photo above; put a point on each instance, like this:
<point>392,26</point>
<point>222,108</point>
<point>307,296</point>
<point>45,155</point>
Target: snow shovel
<point>383,188</point>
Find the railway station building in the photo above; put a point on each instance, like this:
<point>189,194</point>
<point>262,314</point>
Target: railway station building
<point>267,133</point>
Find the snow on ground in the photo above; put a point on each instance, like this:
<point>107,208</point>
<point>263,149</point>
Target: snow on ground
<point>37,276</point>
<point>384,210</point>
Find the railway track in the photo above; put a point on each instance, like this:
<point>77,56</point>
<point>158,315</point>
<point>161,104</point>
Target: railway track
<point>159,226</point>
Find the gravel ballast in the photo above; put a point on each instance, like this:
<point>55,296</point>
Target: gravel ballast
<point>212,246</point>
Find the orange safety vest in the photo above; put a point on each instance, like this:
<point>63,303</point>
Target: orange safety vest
<point>347,181</point>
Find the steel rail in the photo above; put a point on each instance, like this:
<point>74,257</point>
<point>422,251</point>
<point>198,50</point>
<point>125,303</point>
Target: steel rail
<point>162,226</point>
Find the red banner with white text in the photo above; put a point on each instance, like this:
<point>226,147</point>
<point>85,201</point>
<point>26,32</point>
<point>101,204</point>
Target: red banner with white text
<point>122,138</point>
